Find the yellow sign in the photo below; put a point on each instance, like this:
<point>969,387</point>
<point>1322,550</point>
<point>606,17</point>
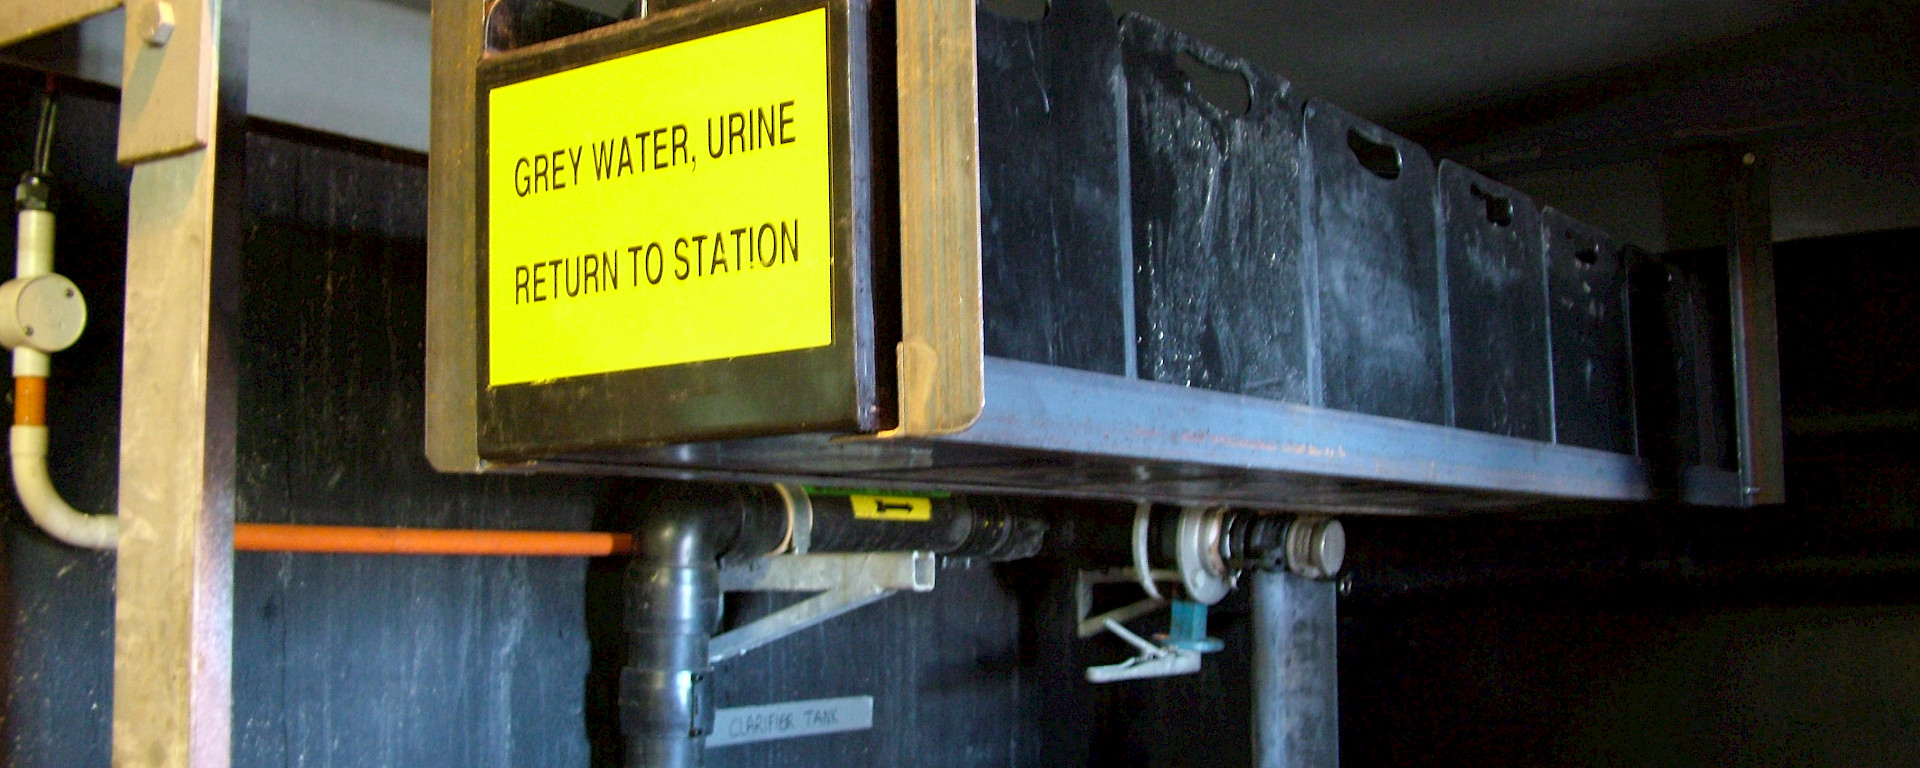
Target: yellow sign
<point>903,509</point>
<point>669,206</point>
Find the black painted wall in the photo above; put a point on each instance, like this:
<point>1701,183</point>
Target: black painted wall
<point>425,661</point>
<point>59,622</point>
<point>1651,636</point>
<point>338,660</point>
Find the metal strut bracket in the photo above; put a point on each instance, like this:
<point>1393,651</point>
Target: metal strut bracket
<point>846,582</point>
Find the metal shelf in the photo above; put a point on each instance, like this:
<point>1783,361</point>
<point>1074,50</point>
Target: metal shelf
<point>1060,432</point>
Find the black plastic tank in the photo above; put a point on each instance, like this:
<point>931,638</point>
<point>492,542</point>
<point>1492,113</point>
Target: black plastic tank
<point>1054,248</point>
<point>1490,241</point>
<point>1592,365</point>
<point>1378,278</point>
<point>1221,284</point>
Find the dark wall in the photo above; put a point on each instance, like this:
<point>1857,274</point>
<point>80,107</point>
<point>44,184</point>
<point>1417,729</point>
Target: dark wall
<point>59,622</point>
<point>424,661</point>
<point>367,660</point>
<point>1673,637</point>
<point>338,661</point>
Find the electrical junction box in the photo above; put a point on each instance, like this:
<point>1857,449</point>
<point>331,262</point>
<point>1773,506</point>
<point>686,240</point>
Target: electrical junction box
<point>920,244</point>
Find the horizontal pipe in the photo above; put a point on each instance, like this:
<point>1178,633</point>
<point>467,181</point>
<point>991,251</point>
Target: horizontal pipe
<point>269,537</point>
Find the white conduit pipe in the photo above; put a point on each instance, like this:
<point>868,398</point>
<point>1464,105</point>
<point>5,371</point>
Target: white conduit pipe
<point>28,441</point>
<point>43,503</point>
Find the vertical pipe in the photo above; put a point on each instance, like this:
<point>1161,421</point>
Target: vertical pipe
<point>673,608</point>
<point>666,704</point>
<point>1296,707</point>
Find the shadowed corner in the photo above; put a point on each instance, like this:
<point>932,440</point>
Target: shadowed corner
<point>606,636</point>
<point>6,639</point>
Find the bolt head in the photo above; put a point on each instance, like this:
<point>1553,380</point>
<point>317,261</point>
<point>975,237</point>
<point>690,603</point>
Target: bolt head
<point>156,21</point>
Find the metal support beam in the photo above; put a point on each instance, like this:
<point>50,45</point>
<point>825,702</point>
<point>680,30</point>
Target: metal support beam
<point>1756,339</point>
<point>173,631</point>
<point>1296,676</point>
<point>1718,197</point>
<point>940,354</point>
<point>851,581</point>
<point>452,207</point>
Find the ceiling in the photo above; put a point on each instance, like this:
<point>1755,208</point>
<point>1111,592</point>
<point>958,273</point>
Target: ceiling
<point>1394,59</point>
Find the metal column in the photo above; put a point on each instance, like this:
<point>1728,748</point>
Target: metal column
<point>1296,680</point>
<point>173,624</point>
<point>1756,342</point>
<point>1718,197</point>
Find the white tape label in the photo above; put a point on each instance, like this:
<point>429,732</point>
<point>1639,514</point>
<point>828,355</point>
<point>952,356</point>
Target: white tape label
<point>792,719</point>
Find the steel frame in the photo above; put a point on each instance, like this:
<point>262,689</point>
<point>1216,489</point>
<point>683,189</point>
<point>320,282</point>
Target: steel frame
<point>972,422</point>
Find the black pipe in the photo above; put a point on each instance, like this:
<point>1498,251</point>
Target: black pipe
<point>673,583</point>
<point>673,607</point>
<point>987,527</point>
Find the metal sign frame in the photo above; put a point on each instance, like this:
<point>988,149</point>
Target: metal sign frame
<point>824,389</point>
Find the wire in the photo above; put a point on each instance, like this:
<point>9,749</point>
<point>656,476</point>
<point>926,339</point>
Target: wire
<point>43,140</point>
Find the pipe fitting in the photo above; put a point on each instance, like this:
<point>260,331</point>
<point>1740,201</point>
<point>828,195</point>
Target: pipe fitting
<point>1316,547</point>
<point>673,609</point>
<point>28,445</point>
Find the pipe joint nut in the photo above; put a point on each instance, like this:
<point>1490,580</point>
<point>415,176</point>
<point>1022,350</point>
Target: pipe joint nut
<point>1316,547</point>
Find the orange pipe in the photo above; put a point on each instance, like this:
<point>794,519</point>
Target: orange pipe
<point>267,537</point>
<point>30,410</point>
<point>30,401</point>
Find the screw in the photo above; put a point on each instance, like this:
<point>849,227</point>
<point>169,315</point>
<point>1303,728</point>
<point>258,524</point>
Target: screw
<point>29,330</point>
<point>156,22</point>
<point>69,293</point>
<point>1748,159</point>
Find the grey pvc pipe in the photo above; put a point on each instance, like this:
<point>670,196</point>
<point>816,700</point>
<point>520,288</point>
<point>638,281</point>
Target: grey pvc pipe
<point>1296,674</point>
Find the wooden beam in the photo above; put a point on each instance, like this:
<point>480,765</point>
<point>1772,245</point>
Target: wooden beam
<point>173,619</point>
<point>22,19</point>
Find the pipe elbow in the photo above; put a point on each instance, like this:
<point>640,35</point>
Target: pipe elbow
<point>687,524</point>
<point>60,520</point>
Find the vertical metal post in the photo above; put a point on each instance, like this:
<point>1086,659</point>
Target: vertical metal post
<point>1720,196</point>
<point>1296,680</point>
<point>452,208</point>
<point>941,384</point>
<point>1756,343</point>
<point>173,620</point>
